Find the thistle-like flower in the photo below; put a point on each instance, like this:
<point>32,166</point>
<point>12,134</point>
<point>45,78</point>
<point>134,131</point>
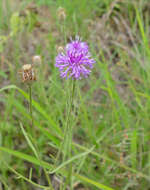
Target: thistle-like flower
<point>75,61</point>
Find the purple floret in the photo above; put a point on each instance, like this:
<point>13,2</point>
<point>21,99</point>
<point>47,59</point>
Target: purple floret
<point>76,61</point>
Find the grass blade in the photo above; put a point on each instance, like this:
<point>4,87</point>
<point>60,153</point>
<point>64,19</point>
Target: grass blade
<point>26,157</point>
<point>92,182</point>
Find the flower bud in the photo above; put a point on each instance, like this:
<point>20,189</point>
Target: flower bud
<point>60,49</point>
<point>61,13</point>
<point>36,59</point>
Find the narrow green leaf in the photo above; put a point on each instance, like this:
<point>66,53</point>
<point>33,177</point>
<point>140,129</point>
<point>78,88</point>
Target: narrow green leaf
<point>29,141</point>
<point>8,87</point>
<point>26,157</point>
<point>92,182</point>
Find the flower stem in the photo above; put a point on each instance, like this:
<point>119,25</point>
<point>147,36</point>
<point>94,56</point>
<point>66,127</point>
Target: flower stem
<point>66,131</point>
<point>32,130</point>
<point>67,140</point>
<point>68,136</point>
<point>30,107</point>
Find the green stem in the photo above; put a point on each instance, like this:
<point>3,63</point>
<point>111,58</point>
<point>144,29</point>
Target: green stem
<point>30,105</point>
<point>67,140</point>
<point>32,130</point>
<point>68,127</point>
<point>69,104</point>
<point>68,137</point>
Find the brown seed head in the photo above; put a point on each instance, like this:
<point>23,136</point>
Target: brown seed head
<point>28,73</point>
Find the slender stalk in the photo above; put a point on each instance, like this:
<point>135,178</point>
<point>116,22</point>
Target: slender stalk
<point>68,136</point>
<point>30,107</point>
<point>63,31</point>
<point>30,95</point>
<point>48,179</point>
<point>67,127</point>
<point>67,140</point>
<point>32,129</point>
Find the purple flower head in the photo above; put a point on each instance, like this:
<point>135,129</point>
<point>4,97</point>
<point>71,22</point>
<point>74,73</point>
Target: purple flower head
<point>75,61</point>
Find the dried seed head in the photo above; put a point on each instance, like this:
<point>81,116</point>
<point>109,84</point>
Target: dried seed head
<point>61,13</point>
<point>36,59</point>
<point>28,73</point>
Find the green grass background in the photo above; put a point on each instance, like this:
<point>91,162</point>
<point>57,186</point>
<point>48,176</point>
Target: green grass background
<point>111,142</point>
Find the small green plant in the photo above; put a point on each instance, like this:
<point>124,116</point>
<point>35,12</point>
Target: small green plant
<point>75,134</point>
